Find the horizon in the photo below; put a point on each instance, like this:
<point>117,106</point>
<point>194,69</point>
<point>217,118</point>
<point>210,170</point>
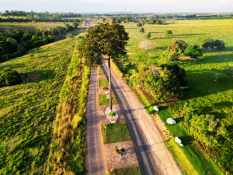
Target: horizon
<point>130,6</point>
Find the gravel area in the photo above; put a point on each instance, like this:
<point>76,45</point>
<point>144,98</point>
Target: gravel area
<point>128,159</point>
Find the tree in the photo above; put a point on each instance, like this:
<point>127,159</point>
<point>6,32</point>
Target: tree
<point>141,30</point>
<point>139,24</point>
<point>177,46</point>
<point>219,44</point>
<point>104,39</point>
<point>193,51</point>
<point>208,43</point>
<point>148,35</point>
<point>9,77</point>
<point>168,32</point>
<point>208,129</point>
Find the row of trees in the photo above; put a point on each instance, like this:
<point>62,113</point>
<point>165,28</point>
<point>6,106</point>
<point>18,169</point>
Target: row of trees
<point>41,14</point>
<point>9,19</point>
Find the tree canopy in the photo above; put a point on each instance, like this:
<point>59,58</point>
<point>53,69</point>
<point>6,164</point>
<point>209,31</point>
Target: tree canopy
<point>107,39</point>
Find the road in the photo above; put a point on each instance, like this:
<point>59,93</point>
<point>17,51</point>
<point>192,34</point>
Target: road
<point>95,162</point>
<point>152,154</point>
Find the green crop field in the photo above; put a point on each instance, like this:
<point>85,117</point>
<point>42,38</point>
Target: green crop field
<point>27,110</point>
<point>210,88</point>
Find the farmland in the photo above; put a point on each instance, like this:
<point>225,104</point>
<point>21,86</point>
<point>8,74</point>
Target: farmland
<point>29,109</point>
<point>210,88</point>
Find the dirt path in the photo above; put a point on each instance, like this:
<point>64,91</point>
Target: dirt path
<point>95,162</point>
<point>152,154</point>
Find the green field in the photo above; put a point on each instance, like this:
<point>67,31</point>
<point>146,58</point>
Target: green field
<point>117,132</point>
<point>206,95</point>
<point>124,171</point>
<point>28,110</point>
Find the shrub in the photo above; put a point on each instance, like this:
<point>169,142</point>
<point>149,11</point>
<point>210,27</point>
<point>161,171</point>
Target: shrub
<point>193,51</point>
<point>219,44</point>
<point>148,35</point>
<point>139,24</point>
<point>9,77</point>
<point>111,114</point>
<point>146,45</point>
<point>141,30</point>
<point>208,43</point>
<point>177,46</point>
<point>168,32</point>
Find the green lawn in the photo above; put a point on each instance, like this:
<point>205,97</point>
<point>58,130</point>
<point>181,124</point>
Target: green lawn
<point>117,132</point>
<point>100,71</point>
<point>126,171</point>
<point>103,83</point>
<point>104,101</point>
<point>28,110</point>
<point>192,153</point>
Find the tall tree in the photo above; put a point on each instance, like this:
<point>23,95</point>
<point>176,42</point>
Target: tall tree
<point>104,39</point>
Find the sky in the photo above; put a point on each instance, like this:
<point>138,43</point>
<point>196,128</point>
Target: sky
<point>108,6</point>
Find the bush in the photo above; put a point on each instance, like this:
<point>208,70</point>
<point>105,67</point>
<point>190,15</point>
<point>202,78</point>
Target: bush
<point>148,35</point>
<point>168,32</point>
<point>208,43</point>
<point>178,46</point>
<point>146,45</point>
<point>141,30</point>
<point>139,24</point>
<point>219,44</point>
<point>193,51</point>
<point>9,77</point>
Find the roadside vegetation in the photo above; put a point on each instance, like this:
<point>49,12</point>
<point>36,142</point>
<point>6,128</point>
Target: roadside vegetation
<point>206,60</point>
<point>68,148</point>
<point>28,109</point>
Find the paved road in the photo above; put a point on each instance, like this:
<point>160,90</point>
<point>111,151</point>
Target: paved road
<point>152,154</point>
<point>95,162</point>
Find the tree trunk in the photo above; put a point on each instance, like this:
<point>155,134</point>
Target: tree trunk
<point>109,78</point>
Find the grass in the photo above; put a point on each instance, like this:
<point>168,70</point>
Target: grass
<point>191,152</point>
<point>117,132</point>
<point>124,171</point>
<point>100,71</point>
<point>206,95</point>
<point>104,101</point>
<point>29,109</point>
<point>103,83</point>
<point>69,127</point>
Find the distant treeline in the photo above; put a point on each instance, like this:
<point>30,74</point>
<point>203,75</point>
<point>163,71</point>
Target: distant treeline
<point>17,43</point>
<point>44,14</point>
<point>9,19</point>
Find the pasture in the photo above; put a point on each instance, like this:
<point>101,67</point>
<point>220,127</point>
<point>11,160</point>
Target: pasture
<point>27,110</point>
<point>207,95</point>
<point>210,77</point>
